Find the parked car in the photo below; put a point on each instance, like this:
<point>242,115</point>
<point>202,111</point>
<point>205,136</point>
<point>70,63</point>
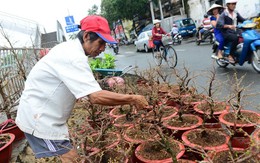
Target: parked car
<point>186,27</point>
<point>142,42</point>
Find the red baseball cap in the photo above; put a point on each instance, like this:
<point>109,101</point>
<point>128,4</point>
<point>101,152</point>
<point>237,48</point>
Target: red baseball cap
<point>99,25</point>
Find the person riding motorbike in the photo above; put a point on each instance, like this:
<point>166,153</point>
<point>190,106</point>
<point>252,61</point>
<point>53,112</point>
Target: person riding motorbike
<point>174,30</point>
<point>215,11</point>
<point>228,20</point>
<point>206,26</point>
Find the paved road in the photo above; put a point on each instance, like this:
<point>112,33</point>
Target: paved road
<point>197,60</point>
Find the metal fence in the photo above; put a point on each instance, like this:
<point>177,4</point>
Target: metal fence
<point>15,65</point>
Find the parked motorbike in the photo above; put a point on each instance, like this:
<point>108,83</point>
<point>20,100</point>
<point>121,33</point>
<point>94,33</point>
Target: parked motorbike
<point>248,48</point>
<point>208,35</point>
<point>115,48</point>
<point>177,38</point>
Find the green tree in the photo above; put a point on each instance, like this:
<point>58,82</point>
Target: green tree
<point>93,10</point>
<point>124,9</point>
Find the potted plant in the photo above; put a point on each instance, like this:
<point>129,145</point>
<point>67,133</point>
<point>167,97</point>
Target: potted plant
<point>240,122</point>
<point>180,123</point>
<point>103,67</point>
<point>210,109</point>
<point>7,95</point>
<point>6,141</point>
<point>205,139</point>
<point>159,151</point>
<point>232,155</point>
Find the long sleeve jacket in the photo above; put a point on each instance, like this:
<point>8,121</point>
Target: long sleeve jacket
<point>156,31</point>
<point>226,19</point>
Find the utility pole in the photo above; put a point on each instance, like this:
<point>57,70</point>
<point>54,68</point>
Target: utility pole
<point>160,7</point>
<point>182,1</point>
<point>151,9</point>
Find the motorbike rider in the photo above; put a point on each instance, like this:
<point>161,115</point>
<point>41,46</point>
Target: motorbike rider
<point>174,30</point>
<point>205,26</point>
<point>215,11</point>
<point>227,22</point>
<point>157,33</point>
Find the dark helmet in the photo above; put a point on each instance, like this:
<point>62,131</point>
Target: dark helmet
<point>206,16</point>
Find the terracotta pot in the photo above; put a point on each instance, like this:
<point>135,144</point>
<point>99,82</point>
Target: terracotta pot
<point>177,131</point>
<point>225,154</point>
<point>125,124</point>
<point>94,149</point>
<point>247,127</point>
<point>6,146</point>
<point>166,112</point>
<point>210,121</point>
<point>205,135</point>
<point>9,126</point>
<point>114,112</point>
<point>188,99</point>
<point>240,142</point>
<point>147,133</point>
<point>199,110</point>
<point>142,159</point>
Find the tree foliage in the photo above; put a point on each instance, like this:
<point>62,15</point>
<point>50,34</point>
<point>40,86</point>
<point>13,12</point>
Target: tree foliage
<point>123,9</point>
<point>93,10</point>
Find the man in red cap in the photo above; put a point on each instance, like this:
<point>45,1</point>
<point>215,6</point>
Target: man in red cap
<point>57,81</point>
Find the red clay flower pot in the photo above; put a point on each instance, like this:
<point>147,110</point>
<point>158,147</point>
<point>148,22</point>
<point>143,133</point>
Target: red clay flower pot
<point>247,127</point>
<point>136,135</point>
<point>6,141</point>
<point>177,130</point>
<point>240,142</point>
<point>210,134</point>
<point>144,159</point>
<point>9,126</point>
<point>210,122</point>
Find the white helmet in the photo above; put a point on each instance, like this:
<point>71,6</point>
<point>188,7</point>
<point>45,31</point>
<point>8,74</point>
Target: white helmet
<point>155,21</point>
<point>231,1</point>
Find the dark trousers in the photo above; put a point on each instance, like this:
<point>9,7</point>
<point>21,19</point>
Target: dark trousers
<point>233,38</point>
<point>157,43</point>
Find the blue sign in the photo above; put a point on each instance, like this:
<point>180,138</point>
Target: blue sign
<point>69,20</point>
<point>71,28</point>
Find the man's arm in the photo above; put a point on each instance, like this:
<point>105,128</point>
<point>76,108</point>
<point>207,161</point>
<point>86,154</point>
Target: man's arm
<point>104,97</point>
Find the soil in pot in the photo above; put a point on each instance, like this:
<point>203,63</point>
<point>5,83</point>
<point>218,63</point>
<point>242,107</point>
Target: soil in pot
<point>210,112</point>
<point>99,142</point>
<point>120,110</point>
<point>155,152</point>
<point>192,99</point>
<point>6,141</point>
<point>141,132</point>
<point>161,113</point>
<point>246,120</point>
<point>179,124</point>
<point>226,156</point>
<point>125,121</point>
<point>109,156</point>
<point>207,139</point>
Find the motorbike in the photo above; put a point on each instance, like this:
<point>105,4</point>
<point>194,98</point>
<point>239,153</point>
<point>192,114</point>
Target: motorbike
<point>248,48</point>
<point>177,38</point>
<point>115,48</point>
<point>208,35</point>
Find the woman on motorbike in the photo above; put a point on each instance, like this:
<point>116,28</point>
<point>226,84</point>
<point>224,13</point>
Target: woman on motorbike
<point>157,33</point>
<point>227,22</point>
<point>214,11</point>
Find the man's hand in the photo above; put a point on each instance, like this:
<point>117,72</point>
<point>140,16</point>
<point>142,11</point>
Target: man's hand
<point>139,102</point>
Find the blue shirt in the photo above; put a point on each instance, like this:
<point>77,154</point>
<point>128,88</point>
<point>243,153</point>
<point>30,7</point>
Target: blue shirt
<point>216,30</point>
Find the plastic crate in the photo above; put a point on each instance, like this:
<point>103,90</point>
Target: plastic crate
<point>108,72</point>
